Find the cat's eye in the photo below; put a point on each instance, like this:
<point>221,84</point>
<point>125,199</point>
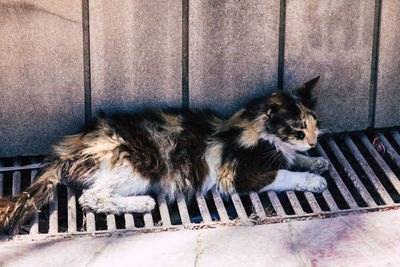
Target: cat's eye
<point>300,135</point>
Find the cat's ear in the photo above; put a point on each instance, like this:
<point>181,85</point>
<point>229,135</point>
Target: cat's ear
<point>305,92</point>
<point>274,103</point>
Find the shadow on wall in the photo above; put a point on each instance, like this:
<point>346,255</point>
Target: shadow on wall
<point>228,102</point>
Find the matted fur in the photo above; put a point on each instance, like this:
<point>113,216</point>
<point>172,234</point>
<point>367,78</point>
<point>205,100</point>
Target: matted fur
<point>117,159</point>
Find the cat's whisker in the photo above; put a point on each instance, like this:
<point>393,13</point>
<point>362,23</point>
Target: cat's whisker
<point>323,132</point>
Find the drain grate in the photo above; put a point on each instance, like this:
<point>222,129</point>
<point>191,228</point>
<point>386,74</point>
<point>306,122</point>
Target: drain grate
<point>360,179</point>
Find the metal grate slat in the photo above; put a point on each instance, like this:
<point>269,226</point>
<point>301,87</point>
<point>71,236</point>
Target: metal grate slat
<point>111,224</point>
<point>20,168</point>
<point>90,222</point>
<point>237,202</point>
<point>129,221</point>
<point>295,203</point>
<point>34,223</point>
<point>219,204</point>
<point>327,196</point>
<point>338,181</point>
<point>16,182</point>
<point>351,173</point>
<point>183,210</point>
<point>148,220</point>
<point>53,207</point>
<point>276,203</point>
<point>390,150</point>
<point>71,209</point>
<point>389,173</point>
<point>311,198</point>
<point>367,169</point>
<point>258,207</point>
<point>201,202</point>
<point>330,201</point>
<point>313,202</point>
<point>164,213</point>
<point>396,136</point>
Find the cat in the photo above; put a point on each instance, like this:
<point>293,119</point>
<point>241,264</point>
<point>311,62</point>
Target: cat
<point>118,160</point>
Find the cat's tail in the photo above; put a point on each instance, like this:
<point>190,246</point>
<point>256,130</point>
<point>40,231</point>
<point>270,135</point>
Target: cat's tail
<point>15,210</point>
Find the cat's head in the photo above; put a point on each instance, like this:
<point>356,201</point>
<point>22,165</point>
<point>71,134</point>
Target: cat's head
<point>289,116</point>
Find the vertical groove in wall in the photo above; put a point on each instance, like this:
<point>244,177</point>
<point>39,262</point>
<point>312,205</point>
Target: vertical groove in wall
<point>281,52</point>
<point>86,60</point>
<point>374,63</point>
<point>185,53</point>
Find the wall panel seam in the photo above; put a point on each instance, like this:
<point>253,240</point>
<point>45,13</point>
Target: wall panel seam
<point>185,53</point>
<point>374,64</point>
<point>86,61</point>
<point>281,46</point>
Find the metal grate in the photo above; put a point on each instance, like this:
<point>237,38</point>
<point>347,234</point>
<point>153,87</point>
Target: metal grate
<point>360,179</point>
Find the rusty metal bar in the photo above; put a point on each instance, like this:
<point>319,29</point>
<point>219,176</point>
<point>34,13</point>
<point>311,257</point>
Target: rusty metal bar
<point>219,204</point>
<point>90,221</point>
<point>237,202</point>
<point>205,213</point>
<point>16,182</point>
<point>295,203</point>
<point>183,210</point>
<point>129,221</point>
<point>164,213</point>
<point>370,173</point>
<point>389,173</point>
<point>34,223</point>
<point>276,203</point>
<point>389,149</point>
<point>21,168</point>
<point>258,207</point>
<point>53,207</point>
<point>339,183</point>
<point>351,173</point>
<point>111,225</point>
<point>148,219</point>
<point>72,227</point>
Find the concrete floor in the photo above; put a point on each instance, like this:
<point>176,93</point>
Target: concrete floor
<point>369,239</point>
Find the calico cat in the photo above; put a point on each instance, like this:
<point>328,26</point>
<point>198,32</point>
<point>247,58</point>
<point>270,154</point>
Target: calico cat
<point>118,160</point>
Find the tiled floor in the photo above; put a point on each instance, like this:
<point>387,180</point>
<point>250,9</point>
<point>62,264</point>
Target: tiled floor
<point>370,239</point>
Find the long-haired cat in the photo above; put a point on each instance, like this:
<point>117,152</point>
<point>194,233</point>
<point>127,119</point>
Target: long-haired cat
<point>118,160</point>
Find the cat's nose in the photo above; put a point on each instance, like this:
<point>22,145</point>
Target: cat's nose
<point>312,144</point>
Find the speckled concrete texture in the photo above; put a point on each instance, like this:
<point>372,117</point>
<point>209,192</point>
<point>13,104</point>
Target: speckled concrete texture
<point>135,55</point>
<point>388,88</point>
<point>369,239</point>
<point>41,74</point>
<point>233,52</point>
<point>332,39</point>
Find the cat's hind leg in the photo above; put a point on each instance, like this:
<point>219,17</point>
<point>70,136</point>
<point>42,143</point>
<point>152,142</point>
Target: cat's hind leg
<point>297,181</point>
<point>101,202</point>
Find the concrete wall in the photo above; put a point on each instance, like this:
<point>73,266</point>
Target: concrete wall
<point>41,74</point>
<point>388,89</point>
<point>214,54</point>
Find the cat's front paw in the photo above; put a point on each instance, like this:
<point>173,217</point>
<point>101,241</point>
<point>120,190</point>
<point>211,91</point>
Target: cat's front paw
<point>320,164</point>
<point>315,183</point>
<point>147,204</point>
